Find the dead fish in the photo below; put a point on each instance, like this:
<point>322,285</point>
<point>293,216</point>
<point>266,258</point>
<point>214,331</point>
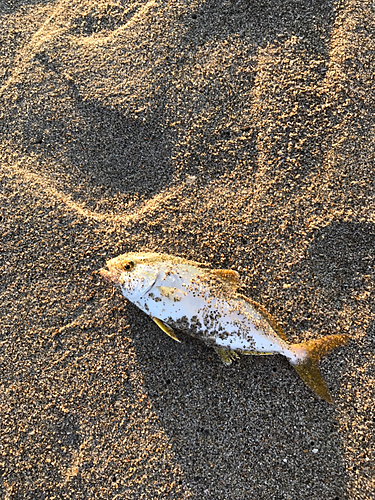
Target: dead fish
<point>185,295</point>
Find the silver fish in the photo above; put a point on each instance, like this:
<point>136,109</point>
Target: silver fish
<point>185,295</point>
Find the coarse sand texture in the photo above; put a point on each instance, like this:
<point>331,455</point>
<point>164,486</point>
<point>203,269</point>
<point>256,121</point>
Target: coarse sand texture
<point>235,133</point>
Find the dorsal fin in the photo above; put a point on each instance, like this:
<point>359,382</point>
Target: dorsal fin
<point>271,320</point>
<point>229,276</point>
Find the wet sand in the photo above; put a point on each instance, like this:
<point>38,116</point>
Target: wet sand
<point>236,133</point>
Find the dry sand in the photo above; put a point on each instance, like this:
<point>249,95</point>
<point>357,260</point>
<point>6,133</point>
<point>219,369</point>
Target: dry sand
<point>238,133</point>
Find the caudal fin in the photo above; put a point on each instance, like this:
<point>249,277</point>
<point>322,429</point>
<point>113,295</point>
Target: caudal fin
<point>308,369</point>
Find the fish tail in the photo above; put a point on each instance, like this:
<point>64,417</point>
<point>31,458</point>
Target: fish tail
<point>307,365</point>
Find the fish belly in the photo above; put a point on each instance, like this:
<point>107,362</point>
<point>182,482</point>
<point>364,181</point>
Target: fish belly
<point>231,325</point>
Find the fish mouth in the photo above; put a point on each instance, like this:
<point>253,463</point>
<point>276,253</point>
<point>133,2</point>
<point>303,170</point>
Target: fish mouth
<point>111,276</point>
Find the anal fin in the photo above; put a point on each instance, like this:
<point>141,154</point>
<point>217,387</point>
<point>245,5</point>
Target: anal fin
<point>166,329</point>
<point>226,356</point>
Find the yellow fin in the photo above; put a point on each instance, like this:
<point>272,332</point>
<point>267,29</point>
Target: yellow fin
<point>228,275</point>
<point>308,369</point>
<point>171,293</point>
<point>166,329</point>
<point>271,320</point>
<point>226,356</point>
<point>166,291</point>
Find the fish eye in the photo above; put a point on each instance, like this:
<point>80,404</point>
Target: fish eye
<point>128,265</point>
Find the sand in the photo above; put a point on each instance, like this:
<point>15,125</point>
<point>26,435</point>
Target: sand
<point>236,133</point>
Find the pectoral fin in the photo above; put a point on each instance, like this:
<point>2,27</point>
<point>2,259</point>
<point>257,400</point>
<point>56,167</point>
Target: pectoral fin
<point>226,356</point>
<point>166,291</point>
<point>171,293</point>
<point>166,329</point>
<point>231,277</point>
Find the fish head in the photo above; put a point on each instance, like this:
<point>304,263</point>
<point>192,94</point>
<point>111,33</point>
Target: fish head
<point>133,273</point>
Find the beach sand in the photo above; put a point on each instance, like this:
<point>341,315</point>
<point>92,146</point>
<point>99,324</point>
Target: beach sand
<point>236,133</point>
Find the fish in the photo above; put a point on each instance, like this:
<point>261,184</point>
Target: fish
<point>184,295</point>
